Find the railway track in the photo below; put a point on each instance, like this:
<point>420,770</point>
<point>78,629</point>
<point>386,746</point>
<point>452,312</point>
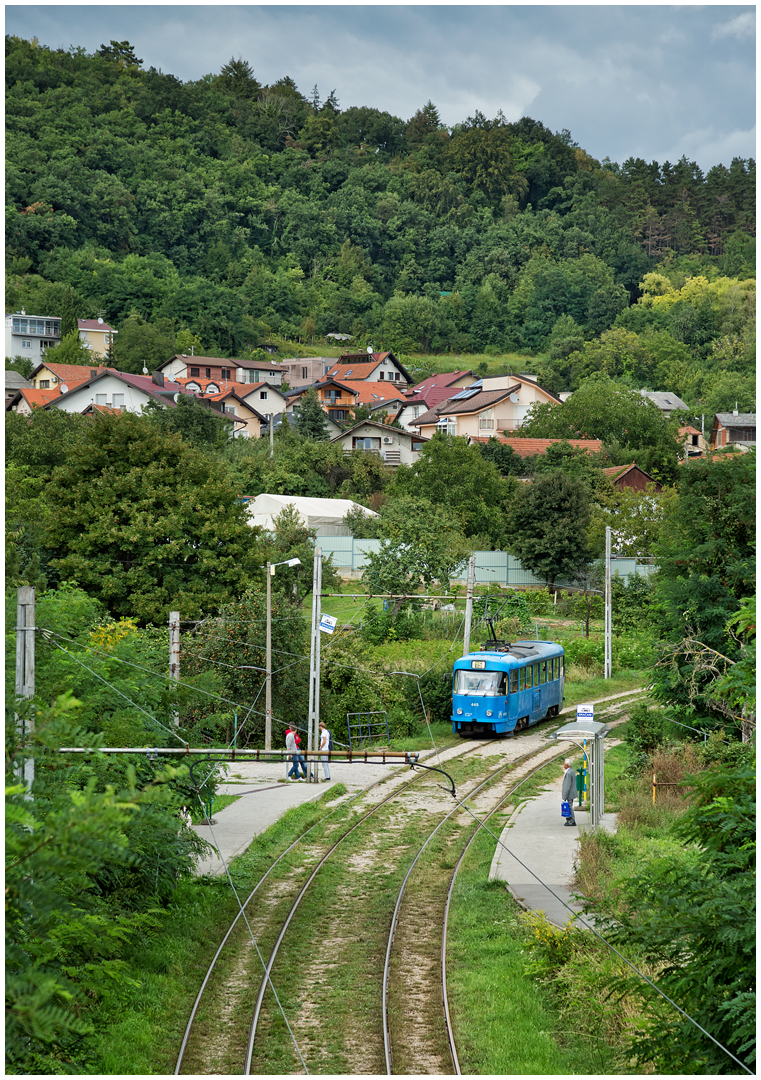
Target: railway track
<point>411,961</point>
<point>241,916</point>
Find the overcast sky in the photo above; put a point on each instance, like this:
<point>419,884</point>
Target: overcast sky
<point>656,82</point>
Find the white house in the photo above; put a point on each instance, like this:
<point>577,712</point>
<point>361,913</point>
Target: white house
<point>395,445</point>
<point>29,335</point>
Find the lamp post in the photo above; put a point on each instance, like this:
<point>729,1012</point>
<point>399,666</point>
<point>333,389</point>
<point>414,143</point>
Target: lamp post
<point>270,568</point>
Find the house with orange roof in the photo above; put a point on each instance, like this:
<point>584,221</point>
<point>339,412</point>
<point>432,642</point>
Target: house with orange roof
<point>370,367</point>
<point>48,376</point>
<point>248,421</point>
<point>694,442</point>
<point>97,336</point>
<point>339,399</point>
<point>27,398</point>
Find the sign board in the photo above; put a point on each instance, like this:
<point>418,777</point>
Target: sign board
<point>585,712</point>
<point>328,623</point>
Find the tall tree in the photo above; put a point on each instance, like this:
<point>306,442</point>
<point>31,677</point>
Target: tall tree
<point>310,418</point>
<point>147,524</point>
<point>547,525</point>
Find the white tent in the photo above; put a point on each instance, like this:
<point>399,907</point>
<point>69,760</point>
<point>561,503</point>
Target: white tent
<point>324,515</point>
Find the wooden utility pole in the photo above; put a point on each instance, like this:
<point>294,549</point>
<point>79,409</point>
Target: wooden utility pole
<point>25,631</point>
<point>174,651</point>
<point>469,604</point>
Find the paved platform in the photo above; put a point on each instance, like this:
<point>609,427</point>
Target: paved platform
<point>538,843</point>
<point>265,796</point>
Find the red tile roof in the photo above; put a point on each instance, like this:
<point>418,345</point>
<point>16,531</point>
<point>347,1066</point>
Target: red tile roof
<point>358,370</point>
<point>95,324</point>
<point>372,393</point>
<point>69,373</point>
<point>438,381</point>
<point>38,398</point>
<point>529,447</point>
<point>431,397</point>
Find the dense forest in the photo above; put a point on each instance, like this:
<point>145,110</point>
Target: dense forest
<point>225,214</point>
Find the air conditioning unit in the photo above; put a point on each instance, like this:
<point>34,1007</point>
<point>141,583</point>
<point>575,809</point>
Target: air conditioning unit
<point>387,439</point>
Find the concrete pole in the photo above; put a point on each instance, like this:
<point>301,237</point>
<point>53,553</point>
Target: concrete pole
<point>25,631</point>
<point>315,774</point>
<point>174,651</point>
<point>268,662</point>
<point>314,635</point>
<point>608,621</point>
<point>271,418</point>
<point>469,604</point>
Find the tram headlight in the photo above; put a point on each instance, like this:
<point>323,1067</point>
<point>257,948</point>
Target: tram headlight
<point>488,712</point>
<point>459,712</point>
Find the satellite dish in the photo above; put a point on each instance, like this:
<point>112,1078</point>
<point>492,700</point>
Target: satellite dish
<point>370,349</point>
<point>514,397</point>
<point>145,370</point>
<point>176,397</point>
<point>100,321</point>
<point>63,388</point>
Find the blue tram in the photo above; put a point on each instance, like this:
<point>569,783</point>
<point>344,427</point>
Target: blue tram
<point>505,687</point>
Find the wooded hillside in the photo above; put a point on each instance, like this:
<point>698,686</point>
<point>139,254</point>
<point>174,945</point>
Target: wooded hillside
<point>232,214</point>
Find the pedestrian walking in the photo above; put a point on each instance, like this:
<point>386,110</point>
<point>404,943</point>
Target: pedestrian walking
<point>302,759</point>
<point>569,790</point>
<point>325,742</point>
<point>292,749</point>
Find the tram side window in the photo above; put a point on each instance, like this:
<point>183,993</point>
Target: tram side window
<point>536,674</point>
<point>543,672</point>
<point>514,681</point>
<point>522,676</point>
<point>555,666</point>
<point>561,661</point>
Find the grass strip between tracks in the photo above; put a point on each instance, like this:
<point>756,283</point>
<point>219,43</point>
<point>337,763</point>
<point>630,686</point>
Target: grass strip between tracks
<point>143,1035</point>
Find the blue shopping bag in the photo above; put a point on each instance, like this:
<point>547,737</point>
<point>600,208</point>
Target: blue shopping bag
<point>565,809</point>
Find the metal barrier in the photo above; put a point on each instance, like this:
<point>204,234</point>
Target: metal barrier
<point>372,729</point>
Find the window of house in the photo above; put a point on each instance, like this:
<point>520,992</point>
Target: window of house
<point>417,446</point>
<point>304,373</point>
<point>273,374</point>
<point>26,344</point>
<point>227,373</point>
<point>101,399</point>
<point>366,444</point>
<point>195,372</point>
<point>118,401</point>
<point>381,375</point>
<point>486,420</point>
<point>232,409</point>
<point>44,384</point>
<point>262,395</point>
<point>208,372</point>
<point>694,440</point>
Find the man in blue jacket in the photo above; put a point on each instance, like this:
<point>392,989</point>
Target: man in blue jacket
<point>569,790</point>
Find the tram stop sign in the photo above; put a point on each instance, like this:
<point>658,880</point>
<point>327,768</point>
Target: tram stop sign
<point>585,712</point>
<point>328,623</point>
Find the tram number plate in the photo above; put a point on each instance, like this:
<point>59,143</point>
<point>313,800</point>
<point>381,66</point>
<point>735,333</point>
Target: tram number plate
<point>478,663</point>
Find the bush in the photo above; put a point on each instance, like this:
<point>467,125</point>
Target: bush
<point>381,626</point>
<point>402,723</point>
<point>436,689</point>
<point>632,650</point>
<point>630,602</point>
<point>646,729</point>
<point>539,601</point>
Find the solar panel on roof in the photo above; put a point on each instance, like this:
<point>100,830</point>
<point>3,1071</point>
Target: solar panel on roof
<point>468,392</point>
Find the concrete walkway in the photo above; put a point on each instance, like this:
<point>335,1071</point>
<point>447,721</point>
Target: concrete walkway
<point>264,798</point>
<point>539,843</point>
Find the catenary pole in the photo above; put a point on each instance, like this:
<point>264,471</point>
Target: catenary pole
<point>608,622</point>
<point>469,604</point>
<point>315,775</point>
<point>25,631</point>
<point>268,676</point>
<point>174,650</point>
<point>314,634</point>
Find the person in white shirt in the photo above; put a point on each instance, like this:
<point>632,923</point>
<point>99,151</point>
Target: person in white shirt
<point>290,745</point>
<point>325,746</point>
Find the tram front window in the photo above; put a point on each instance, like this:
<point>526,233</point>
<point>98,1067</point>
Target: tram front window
<point>480,682</point>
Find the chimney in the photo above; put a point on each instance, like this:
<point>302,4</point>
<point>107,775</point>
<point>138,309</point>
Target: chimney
<point>158,378</point>
<point>734,411</point>
<point>93,372</point>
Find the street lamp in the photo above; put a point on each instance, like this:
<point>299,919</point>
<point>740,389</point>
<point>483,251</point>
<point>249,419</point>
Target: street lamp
<point>270,568</point>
